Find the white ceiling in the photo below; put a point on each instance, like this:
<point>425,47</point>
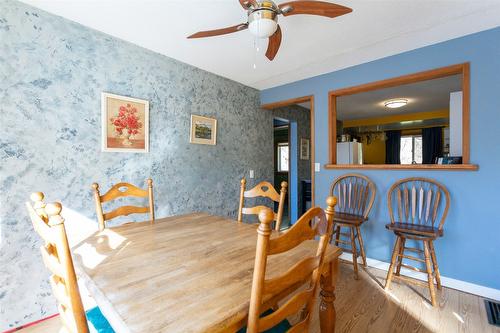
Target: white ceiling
<point>311,45</point>
<point>430,95</point>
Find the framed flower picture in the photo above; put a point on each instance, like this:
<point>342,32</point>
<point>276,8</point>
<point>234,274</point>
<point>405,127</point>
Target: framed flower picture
<point>203,130</point>
<point>125,124</point>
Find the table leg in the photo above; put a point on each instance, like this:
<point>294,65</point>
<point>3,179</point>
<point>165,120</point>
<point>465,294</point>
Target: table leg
<point>326,307</point>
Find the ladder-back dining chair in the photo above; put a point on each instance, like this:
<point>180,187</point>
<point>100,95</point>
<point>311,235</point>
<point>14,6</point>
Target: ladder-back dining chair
<point>56,254</point>
<point>314,223</point>
<point>123,190</point>
<point>266,190</point>
<point>356,194</point>
<point>418,208</point>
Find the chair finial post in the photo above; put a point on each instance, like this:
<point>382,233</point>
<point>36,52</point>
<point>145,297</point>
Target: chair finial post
<point>98,205</point>
<point>151,201</point>
<point>331,202</point>
<point>242,198</point>
<point>266,216</point>
<point>54,212</point>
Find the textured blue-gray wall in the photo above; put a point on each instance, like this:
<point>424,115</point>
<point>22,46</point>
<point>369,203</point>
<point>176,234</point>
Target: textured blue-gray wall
<point>52,72</point>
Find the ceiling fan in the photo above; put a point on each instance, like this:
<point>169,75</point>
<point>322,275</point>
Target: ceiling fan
<point>263,19</point>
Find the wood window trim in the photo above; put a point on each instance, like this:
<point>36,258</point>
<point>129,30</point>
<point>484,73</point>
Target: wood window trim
<point>463,69</point>
<point>292,101</point>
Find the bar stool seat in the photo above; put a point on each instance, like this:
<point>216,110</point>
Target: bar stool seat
<point>346,218</point>
<point>418,230</point>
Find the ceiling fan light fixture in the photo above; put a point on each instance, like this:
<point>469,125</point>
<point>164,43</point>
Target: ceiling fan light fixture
<point>263,28</point>
<point>263,22</point>
<point>395,103</point>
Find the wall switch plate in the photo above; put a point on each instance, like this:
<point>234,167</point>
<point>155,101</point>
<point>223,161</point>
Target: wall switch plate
<point>317,167</point>
<point>252,174</point>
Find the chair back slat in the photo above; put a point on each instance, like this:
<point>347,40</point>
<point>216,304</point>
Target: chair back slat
<point>428,205</point>
<point>263,190</point>
<point>407,203</point>
<point>413,203</point>
<point>49,224</point>
<point>124,211</point>
<point>292,306</point>
<point>299,232</point>
<point>422,202</point>
<point>436,206</point>
<point>400,213</point>
<point>299,272</point>
<point>123,190</point>
<point>314,223</point>
<point>356,194</point>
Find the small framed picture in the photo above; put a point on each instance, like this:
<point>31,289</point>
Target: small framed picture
<point>304,149</point>
<point>125,124</point>
<point>203,130</point>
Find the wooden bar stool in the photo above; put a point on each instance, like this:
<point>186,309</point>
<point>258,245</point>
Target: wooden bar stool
<point>420,204</point>
<point>356,194</point>
<point>264,190</point>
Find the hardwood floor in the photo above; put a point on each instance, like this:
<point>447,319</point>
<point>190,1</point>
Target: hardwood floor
<point>363,306</point>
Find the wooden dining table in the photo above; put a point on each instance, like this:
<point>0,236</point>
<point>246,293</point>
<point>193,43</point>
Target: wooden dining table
<point>188,273</point>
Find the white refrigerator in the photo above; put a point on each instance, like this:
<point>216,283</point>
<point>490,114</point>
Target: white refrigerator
<point>349,153</point>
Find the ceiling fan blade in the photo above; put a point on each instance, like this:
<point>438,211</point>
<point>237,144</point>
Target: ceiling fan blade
<point>320,8</point>
<point>217,32</point>
<point>274,44</point>
<point>247,4</point>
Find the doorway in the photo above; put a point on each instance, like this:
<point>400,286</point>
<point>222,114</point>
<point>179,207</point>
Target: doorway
<point>292,158</point>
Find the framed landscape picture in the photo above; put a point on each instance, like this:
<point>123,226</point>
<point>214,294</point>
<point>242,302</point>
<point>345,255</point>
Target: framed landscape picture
<point>304,149</point>
<point>125,124</point>
<point>203,130</point>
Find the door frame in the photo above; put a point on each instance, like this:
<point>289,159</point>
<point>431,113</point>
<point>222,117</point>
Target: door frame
<point>297,100</point>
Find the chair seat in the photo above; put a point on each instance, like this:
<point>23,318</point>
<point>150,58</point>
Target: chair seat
<point>282,327</point>
<point>415,229</point>
<point>98,321</point>
<point>346,218</point>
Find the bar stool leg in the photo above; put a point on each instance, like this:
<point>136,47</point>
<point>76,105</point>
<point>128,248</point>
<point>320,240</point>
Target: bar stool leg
<point>435,264</point>
<point>400,255</point>
<point>393,262</point>
<point>361,245</point>
<point>430,278</point>
<point>354,253</point>
<point>337,235</point>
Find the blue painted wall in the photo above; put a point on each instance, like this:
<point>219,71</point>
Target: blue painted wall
<point>470,249</point>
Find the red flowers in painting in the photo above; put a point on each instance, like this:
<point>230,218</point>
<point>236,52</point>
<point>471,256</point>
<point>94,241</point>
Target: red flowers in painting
<point>127,119</point>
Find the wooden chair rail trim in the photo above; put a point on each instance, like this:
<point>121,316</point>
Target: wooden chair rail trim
<point>258,191</point>
<point>435,167</point>
<point>130,190</point>
<point>292,306</point>
<point>298,272</point>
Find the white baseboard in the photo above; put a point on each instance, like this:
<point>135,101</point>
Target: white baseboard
<point>467,287</point>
